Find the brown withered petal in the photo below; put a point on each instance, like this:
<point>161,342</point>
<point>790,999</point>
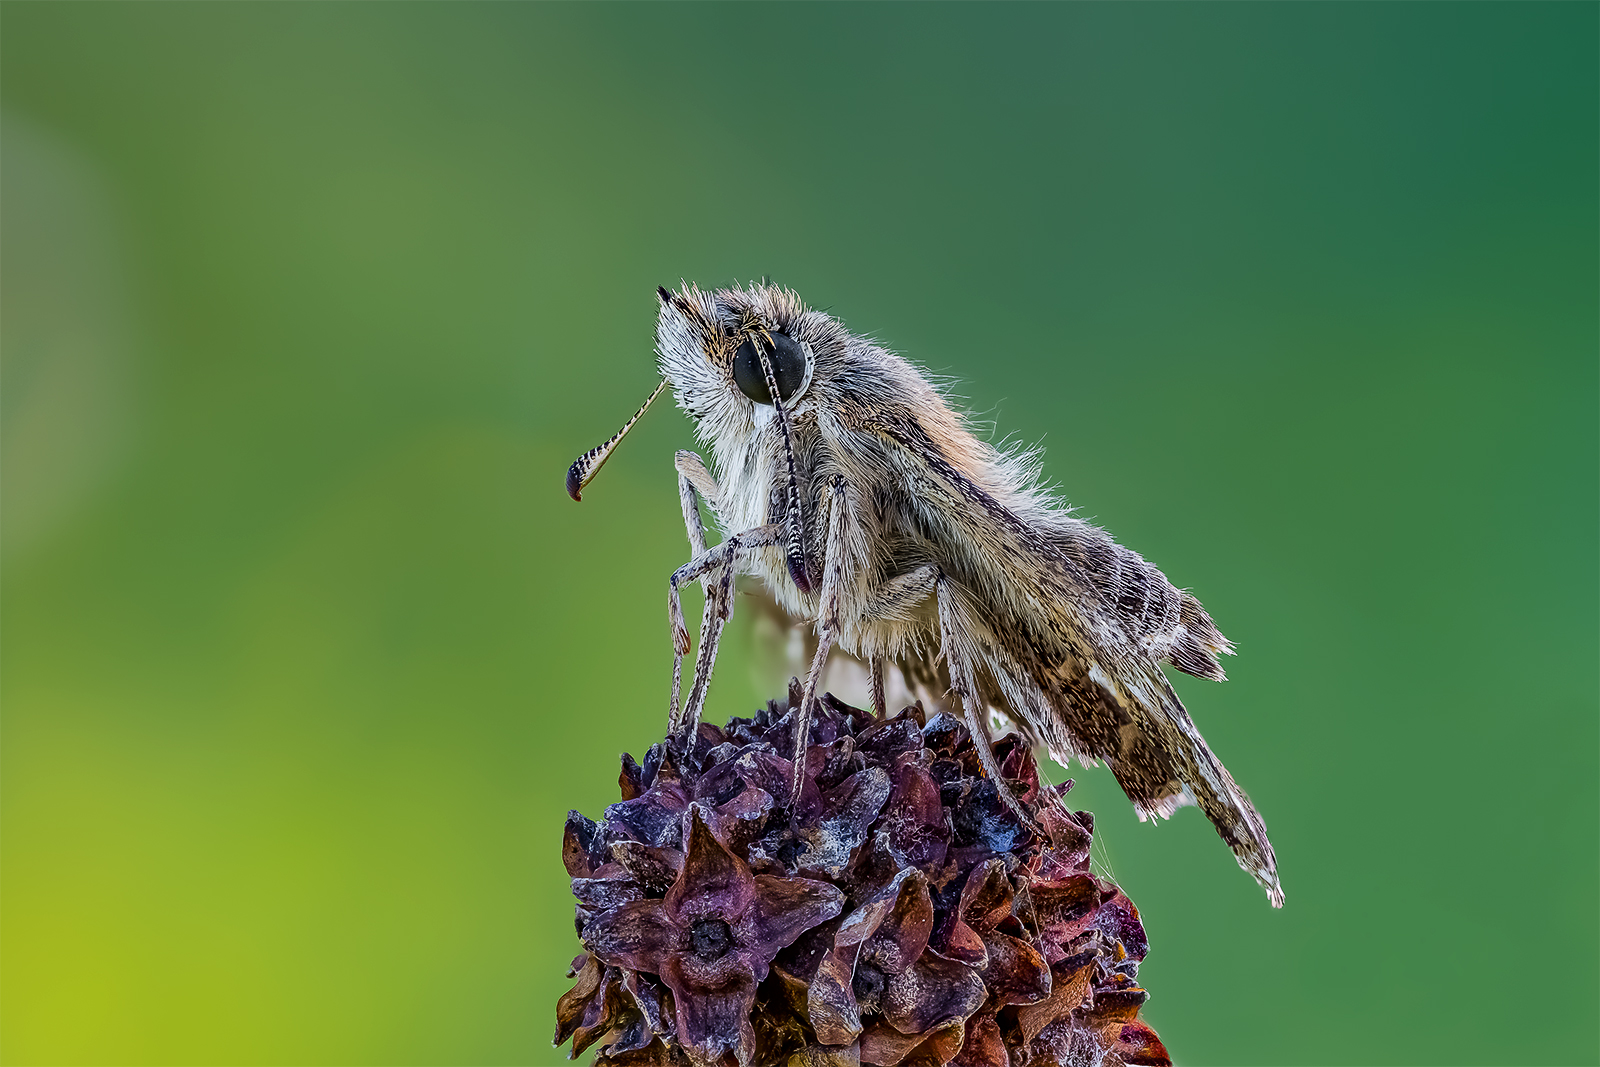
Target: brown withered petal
<point>886,740</point>
<point>832,763</point>
<point>1069,842</point>
<point>1065,908</point>
<point>1069,991</point>
<point>570,1008</point>
<point>801,959</point>
<point>903,932</point>
<point>758,767</point>
<point>606,893</point>
<point>1137,1044</point>
<point>897,915</point>
<point>654,816</point>
<point>575,846</point>
<point>708,736</point>
<point>1017,766</point>
<point>846,813</point>
<point>888,933</point>
<point>914,827</point>
<point>1063,1044</point>
<point>655,1054</point>
<point>965,944</point>
<point>653,1000</point>
<point>1118,919</point>
<point>1118,999</point>
<point>827,1056</point>
<point>984,1045</point>
<point>1015,973</point>
<point>933,991</point>
<point>788,907</point>
<point>740,820</point>
<point>831,1003</point>
<point>631,781</point>
<point>604,1011</point>
<point>986,897</point>
<point>884,1046</point>
<point>629,1033</point>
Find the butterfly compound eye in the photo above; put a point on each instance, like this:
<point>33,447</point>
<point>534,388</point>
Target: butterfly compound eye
<point>788,366</point>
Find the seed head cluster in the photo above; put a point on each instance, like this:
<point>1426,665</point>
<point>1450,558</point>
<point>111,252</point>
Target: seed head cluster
<point>897,914</point>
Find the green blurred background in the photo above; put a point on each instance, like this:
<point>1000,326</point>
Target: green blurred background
<point>307,308</point>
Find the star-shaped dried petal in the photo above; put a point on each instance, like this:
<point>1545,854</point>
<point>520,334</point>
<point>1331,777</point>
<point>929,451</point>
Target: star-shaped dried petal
<point>712,938</point>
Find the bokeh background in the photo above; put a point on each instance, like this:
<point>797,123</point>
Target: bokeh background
<point>306,308</point>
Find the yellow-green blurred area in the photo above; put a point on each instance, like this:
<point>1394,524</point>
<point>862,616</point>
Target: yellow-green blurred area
<point>307,308</point>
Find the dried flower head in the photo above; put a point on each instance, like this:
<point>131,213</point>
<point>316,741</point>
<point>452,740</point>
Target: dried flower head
<point>898,914</point>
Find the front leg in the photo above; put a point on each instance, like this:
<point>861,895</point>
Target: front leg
<point>715,568</point>
<point>693,481</point>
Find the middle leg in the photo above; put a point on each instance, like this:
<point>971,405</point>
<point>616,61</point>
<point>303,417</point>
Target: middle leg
<point>896,601</point>
<point>959,656</point>
<point>837,502</point>
<point>880,703</point>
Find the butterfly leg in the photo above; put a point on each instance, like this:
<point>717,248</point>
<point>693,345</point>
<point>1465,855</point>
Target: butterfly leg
<point>959,656</point>
<point>715,568</point>
<point>896,601</point>
<point>880,703</point>
<point>836,499</point>
<point>694,481</point>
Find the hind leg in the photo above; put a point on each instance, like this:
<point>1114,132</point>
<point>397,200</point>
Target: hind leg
<point>959,655</point>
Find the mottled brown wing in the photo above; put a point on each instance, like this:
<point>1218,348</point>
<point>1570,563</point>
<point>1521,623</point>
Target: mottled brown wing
<point>1072,628</point>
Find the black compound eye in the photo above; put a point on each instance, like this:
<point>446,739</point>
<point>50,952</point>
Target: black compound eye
<point>788,366</point>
